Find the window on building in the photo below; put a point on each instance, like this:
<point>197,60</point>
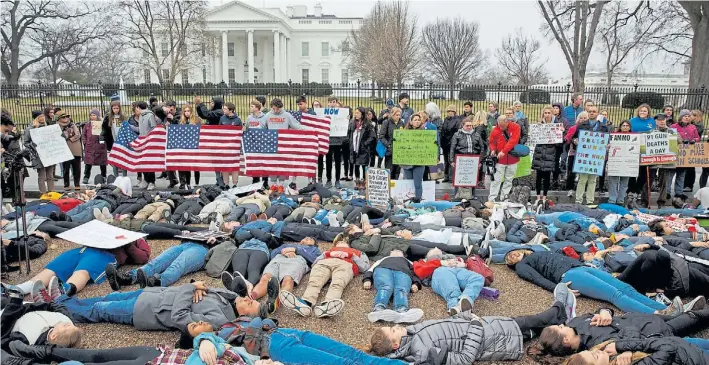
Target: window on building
<point>166,75</point>
<point>255,49</point>
<point>232,76</point>
<point>230,49</point>
<point>325,75</point>
<point>305,76</point>
<point>146,75</point>
<point>204,75</point>
<point>326,49</point>
<point>345,75</point>
<point>204,50</point>
<point>185,77</point>
<point>305,49</point>
<point>164,50</point>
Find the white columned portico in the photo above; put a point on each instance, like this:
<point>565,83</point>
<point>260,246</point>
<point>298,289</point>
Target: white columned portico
<point>250,54</point>
<point>276,56</point>
<point>214,74</point>
<point>284,63</point>
<point>287,59</point>
<point>225,58</point>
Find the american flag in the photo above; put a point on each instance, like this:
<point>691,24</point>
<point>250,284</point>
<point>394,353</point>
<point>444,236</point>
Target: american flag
<point>318,124</point>
<point>139,154</point>
<point>203,147</point>
<point>280,152</point>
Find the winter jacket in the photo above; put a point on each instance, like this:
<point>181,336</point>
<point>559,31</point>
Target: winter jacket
<point>309,253</point>
<point>571,113</point>
<point>233,120</point>
<point>492,120</point>
<point>687,133</point>
<point>461,339</point>
<point>96,147</point>
<point>146,122</point>
<point>212,116</point>
<point>448,129</point>
<point>72,135</point>
<point>665,350</point>
<point>386,134</point>
<point>639,125</point>
<point>544,158</point>
<point>406,112</point>
<point>114,127</point>
<point>253,121</point>
<point>28,322</point>
<point>33,324</point>
<point>377,246</point>
<point>627,326</point>
<point>33,222</point>
<point>500,143</point>
<point>545,269</point>
<point>366,136</point>
<point>255,198</point>
<point>590,125</point>
<point>282,120</point>
<point>28,143</point>
<point>526,230</point>
<point>36,245</point>
<point>401,264</point>
<point>135,253</point>
<point>255,244</point>
<point>523,130</point>
<point>474,143</point>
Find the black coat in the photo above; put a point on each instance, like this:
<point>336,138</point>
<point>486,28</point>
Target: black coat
<point>628,326</point>
<point>523,130</point>
<point>544,158</point>
<point>587,126</point>
<point>211,116</point>
<point>664,350</point>
<point>366,136</point>
<point>450,126</point>
<point>545,268</point>
<point>36,245</point>
<point>386,133</point>
<point>475,143</point>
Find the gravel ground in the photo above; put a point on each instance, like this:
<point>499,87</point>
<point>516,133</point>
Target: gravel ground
<point>517,297</point>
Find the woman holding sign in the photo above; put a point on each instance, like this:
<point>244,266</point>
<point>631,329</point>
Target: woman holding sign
<point>587,181</point>
<point>618,185</point>
<point>45,174</point>
<point>386,136</point>
<point>471,139</point>
<point>544,162</point>
<point>415,172</point>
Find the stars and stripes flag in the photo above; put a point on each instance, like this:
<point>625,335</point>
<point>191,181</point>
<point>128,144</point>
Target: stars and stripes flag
<point>139,154</point>
<point>318,124</point>
<point>280,152</point>
<point>203,147</point>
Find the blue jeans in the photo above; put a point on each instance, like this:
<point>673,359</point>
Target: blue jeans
<point>617,209</point>
<point>617,187</point>
<point>699,342</point>
<point>440,205</point>
<point>448,282</point>
<point>679,180</point>
<point>116,307</point>
<point>601,285</point>
<point>175,262</point>
<point>548,218</point>
<point>498,249</point>
<point>388,282</point>
<point>83,213</point>
<point>416,173</point>
<point>294,347</point>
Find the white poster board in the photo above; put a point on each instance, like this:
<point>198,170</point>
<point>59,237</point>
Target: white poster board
<point>378,187</point>
<point>246,188</point>
<point>404,190</point>
<point>339,120</point>
<point>51,146</point>
<point>100,235</point>
<point>624,155</point>
<point>657,143</point>
<point>546,133</point>
<point>465,172</point>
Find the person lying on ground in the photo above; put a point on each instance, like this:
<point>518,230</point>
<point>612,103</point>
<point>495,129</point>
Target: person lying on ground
<point>305,210</point>
<point>496,250</point>
<point>109,196</point>
<point>36,246</point>
<point>381,245</point>
<point>36,225</point>
<point>282,231</point>
<point>662,228</point>
<point>251,258</point>
<point>281,207</point>
<point>249,207</point>
<point>193,204</point>
<point>526,230</point>
<point>393,275</point>
<point>217,210</point>
<point>665,350</point>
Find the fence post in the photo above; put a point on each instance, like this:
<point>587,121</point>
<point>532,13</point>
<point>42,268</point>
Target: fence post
<point>100,95</point>
<point>290,92</point>
<point>568,91</point>
<point>499,90</point>
<point>635,90</point>
<point>704,98</point>
<point>39,91</point>
<point>359,102</point>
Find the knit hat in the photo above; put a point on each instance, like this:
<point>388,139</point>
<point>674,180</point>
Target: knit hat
<point>95,112</point>
<point>451,108</point>
<point>684,112</point>
<point>390,103</point>
<point>36,113</point>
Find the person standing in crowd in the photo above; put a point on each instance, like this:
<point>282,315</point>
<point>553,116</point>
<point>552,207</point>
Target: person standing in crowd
<point>618,185</point>
<point>450,127</point>
<point>386,136</point>
<point>691,175</point>
<point>346,149</point>
<point>561,153</point>
<point>698,120</point>
<point>519,114</point>
<point>492,114</point>
<point>146,123</point>
<point>45,174</point>
<point>315,104</point>
<point>588,121</point>
<point>470,140</point>
<point>415,172</point>
<point>256,120</point>
<point>370,117</point>
<point>11,143</point>
<point>302,104</point>
<point>467,110</point>
<point>642,122</point>
<point>334,153</point>
<point>229,118</point>
<point>504,137</point>
<point>262,100</point>
<point>360,134</point>
<point>188,116</point>
<point>669,112</point>
<point>278,118</point>
<point>406,111</point>
<point>114,118</point>
<point>433,122</point>
<point>664,174</point>
<point>214,113</point>
<point>72,135</point>
<point>687,134</point>
<point>544,162</point>
<point>386,112</point>
<point>97,135</point>
<point>571,112</point>
<point>588,104</point>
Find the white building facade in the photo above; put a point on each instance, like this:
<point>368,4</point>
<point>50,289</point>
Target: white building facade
<point>268,45</point>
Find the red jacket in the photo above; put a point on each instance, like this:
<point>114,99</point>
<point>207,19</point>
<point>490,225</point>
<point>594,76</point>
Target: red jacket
<point>424,269</point>
<point>498,143</point>
<point>351,252</point>
<point>136,253</point>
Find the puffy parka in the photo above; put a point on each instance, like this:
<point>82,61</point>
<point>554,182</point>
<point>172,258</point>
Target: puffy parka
<point>474,143</point>
<point>664,350</point>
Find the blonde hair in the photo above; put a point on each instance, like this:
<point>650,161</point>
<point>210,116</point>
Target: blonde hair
<point>698,114</point>
<point>550,109</point>
<point>646,106</point>
<point>584,113</point>
<point>193,116</point>
<point>35,122</point>
<point>71,338</point>
<point>379,343</point>
<point>257,104</point>
<point>394,110</point>
<point>480,118</point>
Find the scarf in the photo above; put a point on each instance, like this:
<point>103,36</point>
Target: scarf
<point>466,132</point>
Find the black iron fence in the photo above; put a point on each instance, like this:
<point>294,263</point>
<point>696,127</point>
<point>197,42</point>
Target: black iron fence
<point>618,102</point>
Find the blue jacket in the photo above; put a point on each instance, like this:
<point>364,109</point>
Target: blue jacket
<point>284,200</point>
<point>571,113</point>
<point>254,244</point>
<point>274,229</point>
<point>309,253</point>
<point>639,125</point>
<point>233,120</point>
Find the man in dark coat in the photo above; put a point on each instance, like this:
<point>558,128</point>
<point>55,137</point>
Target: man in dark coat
<point>212,114</point>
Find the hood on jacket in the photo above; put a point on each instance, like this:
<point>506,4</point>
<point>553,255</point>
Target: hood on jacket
<point>218,102</point>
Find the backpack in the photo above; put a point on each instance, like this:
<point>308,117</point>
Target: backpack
<point>218,258</point>
<point>520,194</point>
<point>463,193</point>
<point>476,264</point>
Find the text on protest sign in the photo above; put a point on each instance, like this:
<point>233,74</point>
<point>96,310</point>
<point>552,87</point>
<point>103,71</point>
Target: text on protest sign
<point>465,172</point>
<point>659,149</point>
<point>551,133</point>
<point>693,155</point>
<point>100,235</point>
<point>402,190</point>
<point>51,146</point>
<point>378,187</point>
<point>624,155</point>
<point>415,147</point>
<point>339,120</point>
<point>591,153</point>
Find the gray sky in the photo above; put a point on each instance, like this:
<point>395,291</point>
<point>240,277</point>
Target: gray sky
<point>496,20</point>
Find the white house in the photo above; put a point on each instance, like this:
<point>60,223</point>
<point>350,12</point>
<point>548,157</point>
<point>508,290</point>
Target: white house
<point>268,45</point>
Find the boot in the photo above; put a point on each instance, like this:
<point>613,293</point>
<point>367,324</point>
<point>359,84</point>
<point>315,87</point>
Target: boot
<point>117,278</point>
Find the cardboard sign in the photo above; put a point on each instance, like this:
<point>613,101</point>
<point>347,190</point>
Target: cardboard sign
<point>100,235</point>
<point>693,155</point>
<point>402,190</point>
<point>624,155</point>
<point>202,236</point>
<point>378,187</point>
<point>51,146</point>
<point>551,133</point>
<point>339,120</point>
<point>246,188</point>
<point>415,147</point>
<point>96,128</point>
<point>465,172</point>
<point>591,153</point>
<point>660,148</point>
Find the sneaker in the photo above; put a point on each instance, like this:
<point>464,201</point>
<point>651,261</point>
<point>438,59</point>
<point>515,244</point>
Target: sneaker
<point>54,289</point>
<point>338,185</point>
<point>141,278</point>
<point>117,278</point>
<point>696,304</point>
<point>563,295</point>
<point>35,295</point>
<point>143,185</point>
<point>412,315</point>
<point>329,308</point>
<point>150,187</point>
<point>153,281</point>
<point>466,305</point>
<point>455,310</point>
<point>364,219</point>
<point>272,289</point>
<point>662,298</point>
<point>262,216</point>
<point>280,189</point>
<point>98,215</point>
<point>687,190</point>
<point>191,218</point>
<point>237,284</point>
<point>214,226</point>
<point>675,308</point>
<point>290,301</point>
<point>166,214</point>
<point>227,280</point>
<point>85,181</point>
<point>384,315</point>
<point>106,213</point>
<point>332,220</point>
<point>253,217</point>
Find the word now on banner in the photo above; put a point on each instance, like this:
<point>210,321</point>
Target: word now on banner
<point>591,153</point>
<point>415,147</point>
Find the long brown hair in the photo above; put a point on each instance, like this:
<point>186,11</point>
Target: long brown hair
<point>193,116</point>
<point>421,116</point>
<point>111,114</point>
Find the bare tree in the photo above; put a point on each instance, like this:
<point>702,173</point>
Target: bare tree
<point>573,24</point>
<point>452,61</point>
<point>23,20</point>
<point>520,58</point>
<point>675,40</point>
<point>170,34</point>
<point>698,13</point>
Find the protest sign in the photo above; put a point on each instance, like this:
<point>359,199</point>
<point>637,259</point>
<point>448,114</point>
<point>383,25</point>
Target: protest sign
<point>693,155</point>
<point>96,127</point>
<point>378,187</point>
<point>51,146</point>
<point>339,120</point>
<point>415,147</point>
<point>624,155</point>
<point>402,190</point>
<point>202,235</point>
<point>647,218</point>
<point>591,153</point>
<point>660,148</point>
<point>465,172</point>
<point>100,235</point>
<point>546,133</point>
<point>246,188</point>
